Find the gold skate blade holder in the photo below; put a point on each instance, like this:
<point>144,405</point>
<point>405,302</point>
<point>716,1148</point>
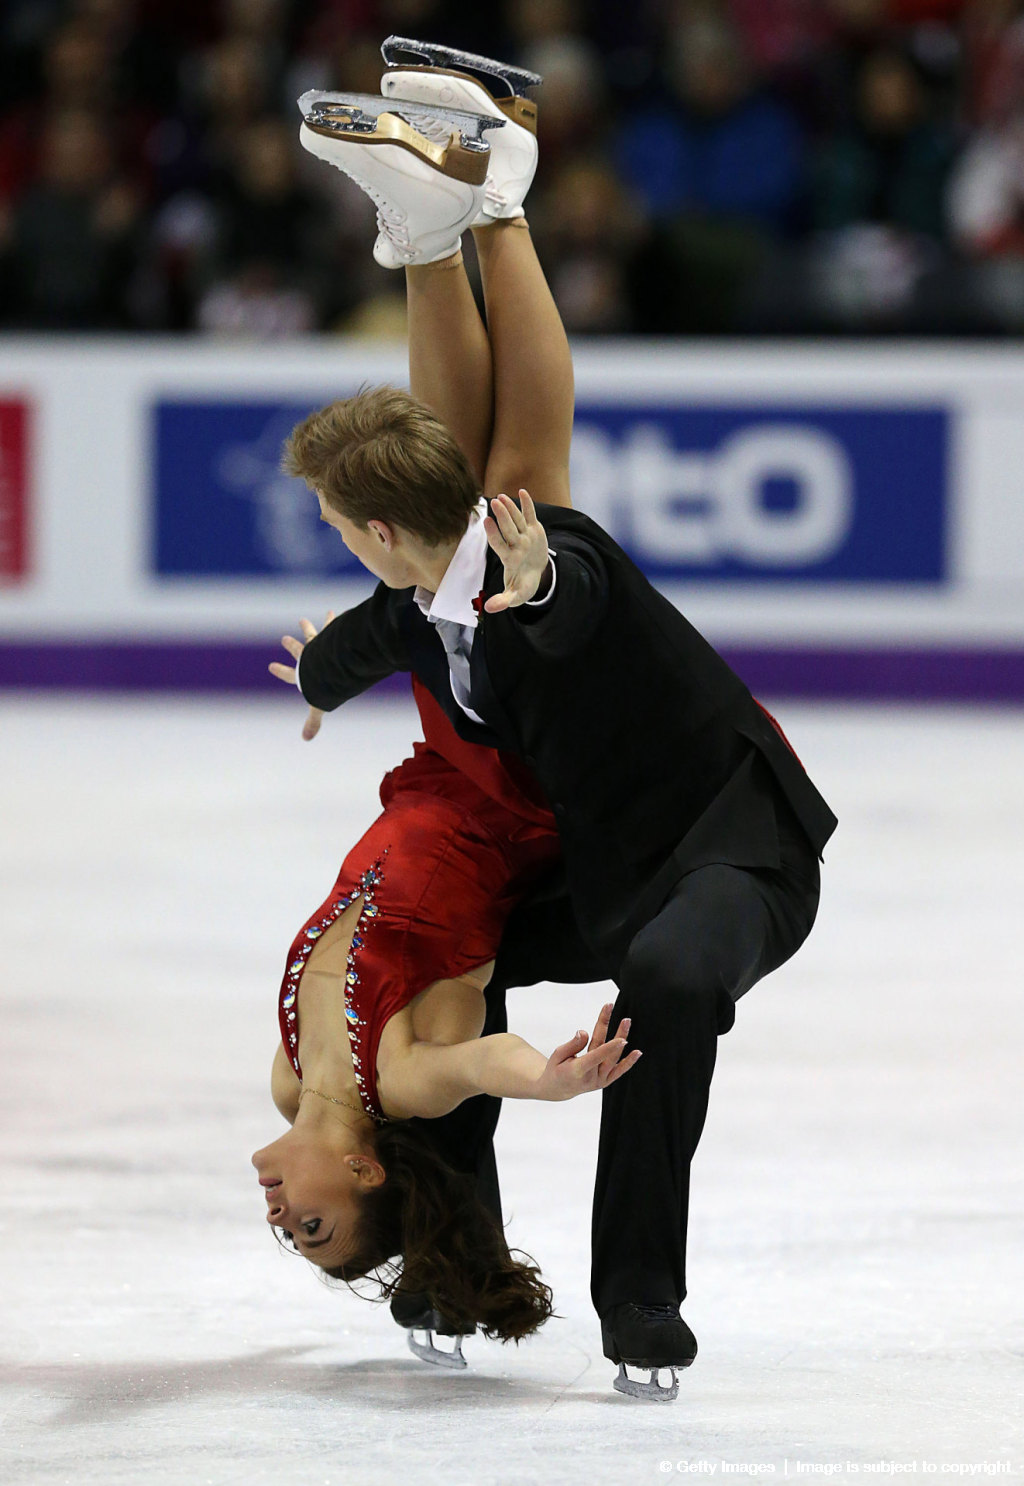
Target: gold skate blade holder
<point>363,119</point>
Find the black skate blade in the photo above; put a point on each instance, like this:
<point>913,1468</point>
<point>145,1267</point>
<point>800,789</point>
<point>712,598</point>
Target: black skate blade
<point>399,50</point>
<point>357,113</point>
<point>428,1352</point>
<point>651,1390</point>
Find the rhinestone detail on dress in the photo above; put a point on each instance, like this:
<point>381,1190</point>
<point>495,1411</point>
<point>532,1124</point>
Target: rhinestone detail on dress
<point>366,889</point>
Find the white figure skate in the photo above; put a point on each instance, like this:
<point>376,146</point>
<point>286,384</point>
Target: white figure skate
<point>427,186</point>
<point>444,79</point>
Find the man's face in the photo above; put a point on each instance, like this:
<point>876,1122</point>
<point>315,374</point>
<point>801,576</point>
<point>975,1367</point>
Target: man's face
<point>368,544</point>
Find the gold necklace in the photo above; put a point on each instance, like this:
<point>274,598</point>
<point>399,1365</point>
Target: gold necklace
<point>331,1099</point>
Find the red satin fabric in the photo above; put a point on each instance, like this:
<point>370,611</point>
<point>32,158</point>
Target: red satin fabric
<point>461,838</point>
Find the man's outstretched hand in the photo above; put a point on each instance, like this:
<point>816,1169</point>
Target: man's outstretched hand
<point>294,647</point>
<point>518,538</point>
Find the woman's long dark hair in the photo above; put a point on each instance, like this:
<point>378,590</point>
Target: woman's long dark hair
<point>425,1231</point>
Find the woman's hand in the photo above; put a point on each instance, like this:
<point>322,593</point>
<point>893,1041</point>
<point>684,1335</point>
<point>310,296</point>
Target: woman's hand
<point>294,647</point>
<point>570,1070</point>
<point>518,538</point>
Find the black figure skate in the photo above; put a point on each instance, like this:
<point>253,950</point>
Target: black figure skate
<point>652,1337</point>
<point>415,1313</point>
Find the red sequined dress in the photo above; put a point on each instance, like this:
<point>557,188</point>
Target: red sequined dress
<point>463,834</point>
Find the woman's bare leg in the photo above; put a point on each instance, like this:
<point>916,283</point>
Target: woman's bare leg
<point>533,379</point>
<point>450,355</point>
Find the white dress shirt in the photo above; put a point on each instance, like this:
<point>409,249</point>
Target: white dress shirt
<point>451,609</point>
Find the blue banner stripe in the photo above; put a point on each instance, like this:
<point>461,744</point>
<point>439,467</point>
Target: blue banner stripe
<point>810,494</point>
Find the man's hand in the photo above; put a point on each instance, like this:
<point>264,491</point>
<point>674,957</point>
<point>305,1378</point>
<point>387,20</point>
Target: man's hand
<point>518,538</point>
<point>294,647</point>
<point>571,1071</point>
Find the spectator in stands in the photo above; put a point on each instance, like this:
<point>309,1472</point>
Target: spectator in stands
<point>227,88</point>
<point>791,154</point>
<point>891,167</point>
<point>548,39</point>
<point>713,143</point>
<point>852,31</point>
<point>993,40</point>
<point>986,198</point>
<point>716,161</point>
<point>71,240</point>
<point>879,196</point>
<point>275,272</point>
<point>585,228</point>
<point>986,214</point>
<point>195,153</point>
<point>78,72</point>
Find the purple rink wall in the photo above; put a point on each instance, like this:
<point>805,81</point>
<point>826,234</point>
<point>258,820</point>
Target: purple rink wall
<point>842,523</point>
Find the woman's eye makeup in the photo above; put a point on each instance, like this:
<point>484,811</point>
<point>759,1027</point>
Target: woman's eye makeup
<point>308,1230</point>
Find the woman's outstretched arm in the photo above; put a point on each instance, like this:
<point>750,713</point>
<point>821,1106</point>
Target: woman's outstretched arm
<point>436,1078</point>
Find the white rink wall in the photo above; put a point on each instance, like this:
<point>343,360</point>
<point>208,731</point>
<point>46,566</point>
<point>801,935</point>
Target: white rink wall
<point>792,498</point>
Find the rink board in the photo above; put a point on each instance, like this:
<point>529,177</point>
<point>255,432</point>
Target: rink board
<point>840,523</point>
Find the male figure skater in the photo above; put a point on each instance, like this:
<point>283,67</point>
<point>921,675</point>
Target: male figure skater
<point>691,832</point>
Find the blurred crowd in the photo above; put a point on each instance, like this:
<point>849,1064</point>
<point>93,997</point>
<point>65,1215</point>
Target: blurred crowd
<point>707,166</point>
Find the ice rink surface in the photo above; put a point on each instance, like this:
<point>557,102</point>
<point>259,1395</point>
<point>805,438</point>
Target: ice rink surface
<point>856,1258</point>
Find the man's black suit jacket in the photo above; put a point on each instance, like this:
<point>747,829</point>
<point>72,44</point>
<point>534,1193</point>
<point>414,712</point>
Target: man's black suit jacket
<point>653,754</point>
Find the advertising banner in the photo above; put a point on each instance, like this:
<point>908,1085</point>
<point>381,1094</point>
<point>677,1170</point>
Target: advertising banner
<point>14,485</point>
<point>851,495</point>
<point>838,520</point>
<point>222,504</point>
<point>813,494</point>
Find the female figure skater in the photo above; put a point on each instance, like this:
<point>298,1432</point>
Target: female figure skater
<point>382,1005</point>
<point>690,831</point>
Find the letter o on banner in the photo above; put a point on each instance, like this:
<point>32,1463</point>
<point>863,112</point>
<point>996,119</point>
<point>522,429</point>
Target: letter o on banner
<point>820,520</point>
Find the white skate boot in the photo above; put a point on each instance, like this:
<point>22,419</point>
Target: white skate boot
<point>427,186</point>
<point>444,78</point>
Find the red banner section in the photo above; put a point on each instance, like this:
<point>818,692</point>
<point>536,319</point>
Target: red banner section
<point>14,480</point>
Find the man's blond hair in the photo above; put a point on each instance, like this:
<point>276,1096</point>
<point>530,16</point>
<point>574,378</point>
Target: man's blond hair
<point>383,456</point>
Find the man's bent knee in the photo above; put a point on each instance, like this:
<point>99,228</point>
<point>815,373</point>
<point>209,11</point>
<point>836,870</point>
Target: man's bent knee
<point>659,974</point>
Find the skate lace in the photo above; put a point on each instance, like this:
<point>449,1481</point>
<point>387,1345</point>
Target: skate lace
<point>391,220</point>
<point>658,1312</point>
<point>438,132</point>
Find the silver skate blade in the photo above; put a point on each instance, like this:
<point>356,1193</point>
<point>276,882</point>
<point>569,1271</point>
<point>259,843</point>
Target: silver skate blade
<point>397,50</point>
<point>653,1389</point>
<point>428,1352</point>
<point>357,113</point>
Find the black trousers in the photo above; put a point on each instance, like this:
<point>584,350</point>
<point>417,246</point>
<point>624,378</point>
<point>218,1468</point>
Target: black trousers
<point>719,932</point>
<point>542,942</point>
